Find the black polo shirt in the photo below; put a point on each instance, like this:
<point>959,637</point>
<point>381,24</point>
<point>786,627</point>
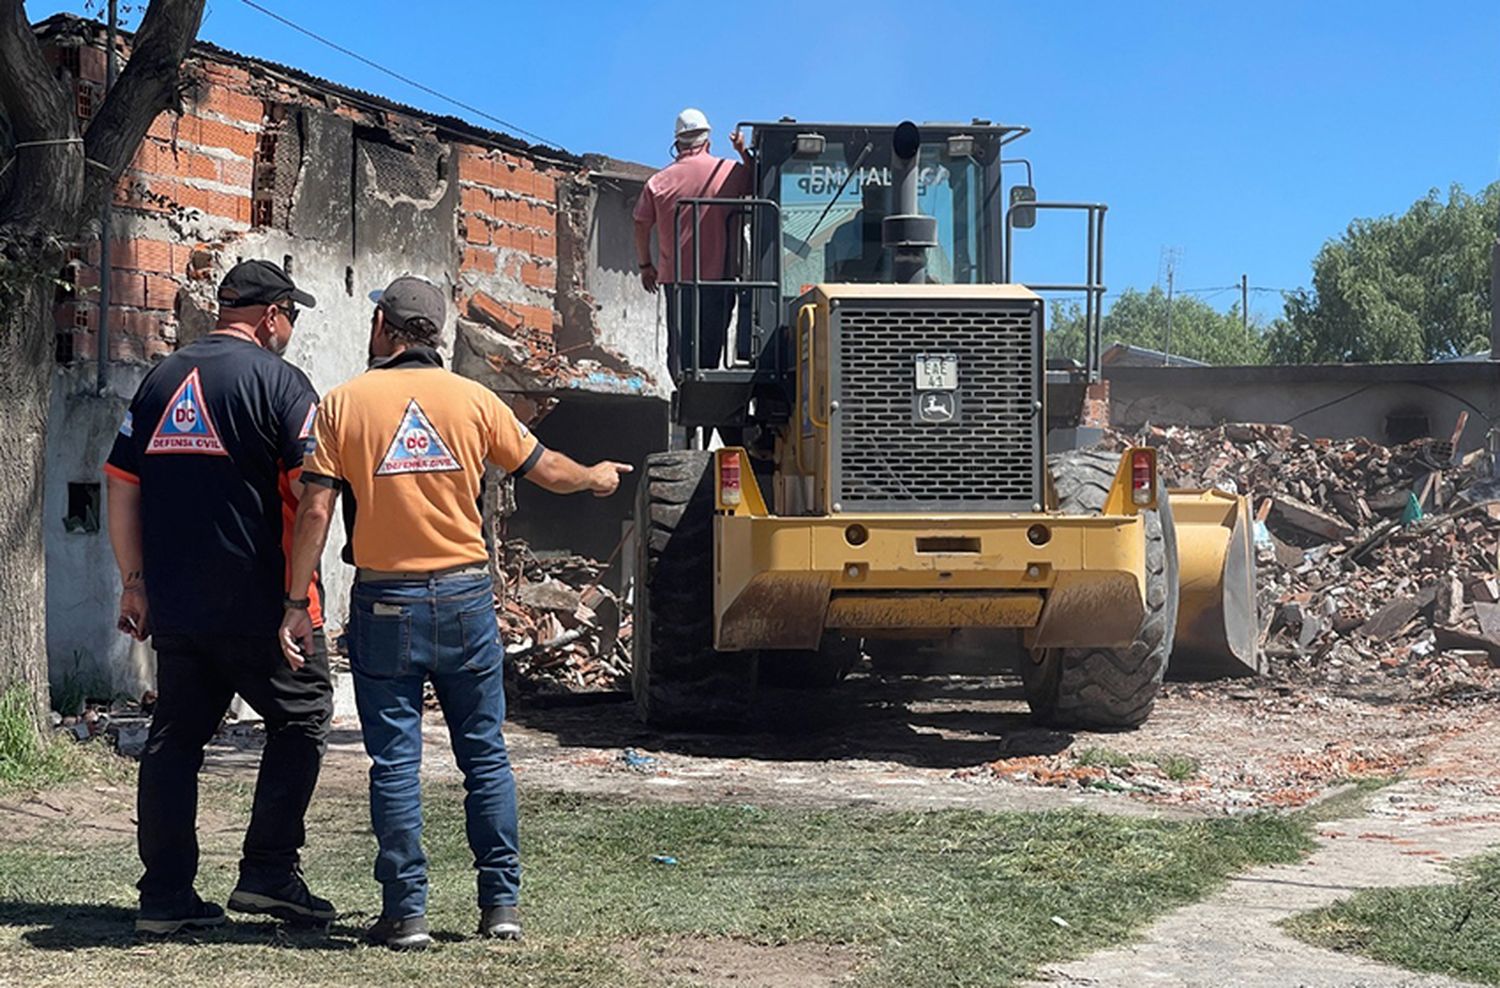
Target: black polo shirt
<point>212,435</point>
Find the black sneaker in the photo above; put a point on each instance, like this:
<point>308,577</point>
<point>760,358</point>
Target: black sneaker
<point>400,934</point>
<point>290,901</point>
<point>187,912</point>
<point>500,922</point>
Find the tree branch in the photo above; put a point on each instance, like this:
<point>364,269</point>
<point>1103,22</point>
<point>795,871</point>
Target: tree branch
<point>39,109</point>
<point>147,86</point>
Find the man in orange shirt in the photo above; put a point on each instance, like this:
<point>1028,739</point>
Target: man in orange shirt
<point>409,440</point>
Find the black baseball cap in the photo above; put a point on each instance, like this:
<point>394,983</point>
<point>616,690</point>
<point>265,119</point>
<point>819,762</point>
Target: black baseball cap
<point>410,297</point>
<point>260,283</point>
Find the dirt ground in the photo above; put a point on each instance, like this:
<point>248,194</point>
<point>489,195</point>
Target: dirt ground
<point>919,742</point>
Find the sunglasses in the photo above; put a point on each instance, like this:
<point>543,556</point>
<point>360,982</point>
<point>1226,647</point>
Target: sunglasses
<point>289,311</point>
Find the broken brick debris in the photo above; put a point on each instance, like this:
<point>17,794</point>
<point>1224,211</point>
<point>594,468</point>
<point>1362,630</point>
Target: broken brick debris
<point>563,629</point>
<point>1377,565</point>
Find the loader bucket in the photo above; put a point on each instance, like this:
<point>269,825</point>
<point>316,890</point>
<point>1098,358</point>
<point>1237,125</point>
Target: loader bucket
<point>1217,627</point>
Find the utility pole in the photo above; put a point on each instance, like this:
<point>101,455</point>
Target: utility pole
<point>1245,307</point>
<point>1171,264</point>
<point>106,263</point>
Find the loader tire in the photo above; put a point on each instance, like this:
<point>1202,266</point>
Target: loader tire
<point>1106,687</point>
<point>810,669</point>
<point>677,677</point>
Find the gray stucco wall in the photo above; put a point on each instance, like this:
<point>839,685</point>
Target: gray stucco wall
<point>83,584</point>
<point>630,322</point>
<point>1335,402</point>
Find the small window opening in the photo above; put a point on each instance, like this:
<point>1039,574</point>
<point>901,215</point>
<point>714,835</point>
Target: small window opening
<point>349,282</point>
<point>83,508</point>
<point>1403,428</point>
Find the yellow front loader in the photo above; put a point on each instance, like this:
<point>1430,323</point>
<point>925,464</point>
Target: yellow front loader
<point>888,479</point>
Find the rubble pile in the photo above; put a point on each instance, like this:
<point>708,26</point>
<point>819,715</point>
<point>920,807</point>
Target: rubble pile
<point>563,630</point>
<point>1377,565</point>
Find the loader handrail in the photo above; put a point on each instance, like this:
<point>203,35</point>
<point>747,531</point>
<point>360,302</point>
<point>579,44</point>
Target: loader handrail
<point>745,291</point>
<point>1093,283</point>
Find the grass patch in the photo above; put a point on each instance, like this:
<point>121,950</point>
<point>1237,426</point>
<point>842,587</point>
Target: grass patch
<point>1178,768</point>
<point>932,898</point>
<point>1443,929</point>
<point>29,760</point>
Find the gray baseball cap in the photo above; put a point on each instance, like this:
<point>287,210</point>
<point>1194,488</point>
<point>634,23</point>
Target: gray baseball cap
<point>411,296</point>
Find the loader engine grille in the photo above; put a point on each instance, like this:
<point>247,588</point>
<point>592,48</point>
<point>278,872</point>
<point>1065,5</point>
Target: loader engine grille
<point>989,458</point>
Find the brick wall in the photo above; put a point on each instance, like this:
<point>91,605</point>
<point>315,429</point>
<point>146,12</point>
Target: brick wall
<point>205,178</point>
<point>508,224</point>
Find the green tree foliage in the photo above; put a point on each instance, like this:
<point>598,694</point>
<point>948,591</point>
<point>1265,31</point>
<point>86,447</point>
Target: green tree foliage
<point>1398,288</point>
<point>1140,319</point>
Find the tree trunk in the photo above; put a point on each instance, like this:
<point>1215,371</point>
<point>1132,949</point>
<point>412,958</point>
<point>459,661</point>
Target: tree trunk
<point>25,385</point>
<point>52,185</point>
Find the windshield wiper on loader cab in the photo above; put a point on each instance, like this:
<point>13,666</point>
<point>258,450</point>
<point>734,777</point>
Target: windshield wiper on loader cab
<point>806,247</point>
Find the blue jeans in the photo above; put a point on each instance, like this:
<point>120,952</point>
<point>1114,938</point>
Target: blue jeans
<point>402,634</point>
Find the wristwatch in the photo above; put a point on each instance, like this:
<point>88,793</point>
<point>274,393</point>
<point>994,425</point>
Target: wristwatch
<point>296,603</point>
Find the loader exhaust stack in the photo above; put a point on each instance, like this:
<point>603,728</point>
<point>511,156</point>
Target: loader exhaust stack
<point>907,232</point>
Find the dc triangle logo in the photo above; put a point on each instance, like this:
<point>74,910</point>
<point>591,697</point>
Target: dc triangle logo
<point>417,447</point>
<point>186,426</point>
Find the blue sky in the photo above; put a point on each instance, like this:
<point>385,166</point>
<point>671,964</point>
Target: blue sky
<point>1241,135</point>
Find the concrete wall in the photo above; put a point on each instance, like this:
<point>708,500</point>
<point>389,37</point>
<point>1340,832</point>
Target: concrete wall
<point>83,585</point>
<point>630,322</point>
<point>1335,402</point>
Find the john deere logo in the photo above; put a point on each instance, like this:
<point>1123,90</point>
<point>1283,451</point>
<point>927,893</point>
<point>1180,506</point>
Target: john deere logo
<point>937,406</point>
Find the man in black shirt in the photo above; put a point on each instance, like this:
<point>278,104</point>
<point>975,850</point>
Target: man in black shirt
<point>211,445</point>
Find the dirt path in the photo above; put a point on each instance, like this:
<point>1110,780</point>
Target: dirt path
<point>1447,810</point>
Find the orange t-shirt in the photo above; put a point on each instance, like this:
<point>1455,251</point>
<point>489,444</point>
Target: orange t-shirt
<point>410,440</point>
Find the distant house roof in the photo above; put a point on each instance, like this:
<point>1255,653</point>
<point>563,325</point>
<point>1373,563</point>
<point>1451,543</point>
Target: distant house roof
<point>451,127</point>
<point>1127,355</point>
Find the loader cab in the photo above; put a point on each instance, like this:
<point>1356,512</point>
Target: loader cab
<point>821,195</point>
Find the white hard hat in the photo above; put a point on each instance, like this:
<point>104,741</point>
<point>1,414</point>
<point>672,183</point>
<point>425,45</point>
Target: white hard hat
<point>692,126</point>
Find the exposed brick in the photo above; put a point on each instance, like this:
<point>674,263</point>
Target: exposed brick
<point>487,308</point>
<point>228,103</point>
<point>482,261</point>
<point>535,317</point>
<point>214,202</point>
<point>155,157</point>
<point>226,75</point>
<point>126,347</point>
<point>240,174</point>
<point>475,200</point>
<point>507,209</point>
<point>213,134</point>
<point>503,236</point>
<point>476,231</point>
<point>475,166</point>
<point>161,293</point>
<point>164,127</point>
<point>71,316</point>
<point>543,246</point>
<point>513,179</point>
<point>201,166</point>
<point>538,276</point>
<point>141,255</point>
<point>85,345</point>
<point>544,186</point>
<point>157,348</point>
<point>136,323</point>
<point>126,288</point>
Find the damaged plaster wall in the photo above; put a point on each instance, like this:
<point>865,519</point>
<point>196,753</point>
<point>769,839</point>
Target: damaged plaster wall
<point>83,585</point>
<point>1381,402</point>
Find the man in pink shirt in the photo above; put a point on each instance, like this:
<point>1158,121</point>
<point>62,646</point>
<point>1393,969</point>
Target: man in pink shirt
<point>695,174</point>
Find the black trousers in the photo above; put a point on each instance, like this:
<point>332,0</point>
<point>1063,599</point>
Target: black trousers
<point>196,677</point>
<point>714,307</point>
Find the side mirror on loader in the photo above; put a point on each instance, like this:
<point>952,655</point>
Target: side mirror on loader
<point>1023,217</point>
